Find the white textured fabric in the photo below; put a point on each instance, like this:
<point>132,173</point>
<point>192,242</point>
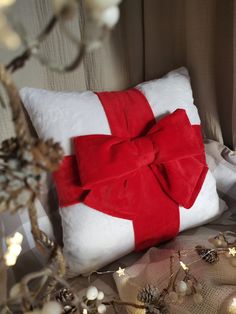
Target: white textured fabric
<point>172,91</point>
<point>91,238</point>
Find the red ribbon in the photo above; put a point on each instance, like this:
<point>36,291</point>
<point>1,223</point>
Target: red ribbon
<point>143,178</point>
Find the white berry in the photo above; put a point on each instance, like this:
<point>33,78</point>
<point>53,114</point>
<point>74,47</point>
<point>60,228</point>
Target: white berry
<point>100,295</point>
<point>181,287</point>
<point>92,293</point>
<point>108,17</point>
<point>102,309</point>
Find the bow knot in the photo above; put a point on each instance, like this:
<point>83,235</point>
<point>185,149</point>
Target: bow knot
<point>172,150</point>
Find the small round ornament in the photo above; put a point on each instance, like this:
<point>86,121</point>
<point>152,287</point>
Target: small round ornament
<point>181,288</point>
<point>108,17</point>
<point>92,293</point>
<point>102,309</point>
<point>100,295</point>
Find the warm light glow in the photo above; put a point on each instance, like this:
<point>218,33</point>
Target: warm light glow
<point>13,249</point>
<point>183,266</point>
<point>121,271</point>
<point>85,311</point>
<point>11,40</point>
<point>10,259</point>
<point>16,239</point>
<point>6,3</point>
<point>232,251</point>
<point>232,308</point>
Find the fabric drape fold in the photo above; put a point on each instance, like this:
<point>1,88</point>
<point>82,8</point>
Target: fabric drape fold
<point>199,34</point>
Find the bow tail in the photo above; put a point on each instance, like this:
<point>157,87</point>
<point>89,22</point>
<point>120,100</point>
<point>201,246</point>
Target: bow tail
<point>141,199</point>
<point>182,179</point>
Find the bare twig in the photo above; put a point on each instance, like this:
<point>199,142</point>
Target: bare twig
<point>20,60</point>
<point>118,302</point>
<point>64,68</point>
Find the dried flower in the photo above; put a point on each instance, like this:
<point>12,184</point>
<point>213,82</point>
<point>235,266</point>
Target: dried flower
<point>23,169</point>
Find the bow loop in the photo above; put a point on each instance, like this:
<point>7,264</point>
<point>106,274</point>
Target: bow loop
<point>103,158</point>
<point>171,149</point>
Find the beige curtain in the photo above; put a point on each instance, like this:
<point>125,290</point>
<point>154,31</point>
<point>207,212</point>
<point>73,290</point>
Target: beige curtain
<point>152,37</point>
<point>199,34</point>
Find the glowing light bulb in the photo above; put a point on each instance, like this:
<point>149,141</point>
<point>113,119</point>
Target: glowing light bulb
<point>10,259</point>
<point>232,307</point>
<point>6,3</point>
<point>121,272</point>
<point>184,266</point>
<point>232,251</point>
<point>13,249</point>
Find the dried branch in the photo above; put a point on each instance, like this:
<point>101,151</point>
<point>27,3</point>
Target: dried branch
<point>20,60</point>
<point>15,104</point>
<point>15,150</point>
<point>118,302</point>
<point>64,68</point>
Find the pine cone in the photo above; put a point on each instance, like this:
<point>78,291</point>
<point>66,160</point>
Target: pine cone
<point>160,308</point>
<point>163,307</point>
<point>64,296</point>
<point>208,255</point>
<point>148,294</point>
<point>153,310</point>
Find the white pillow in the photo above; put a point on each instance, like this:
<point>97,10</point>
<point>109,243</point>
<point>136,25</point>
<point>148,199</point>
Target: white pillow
<point>91,238</point>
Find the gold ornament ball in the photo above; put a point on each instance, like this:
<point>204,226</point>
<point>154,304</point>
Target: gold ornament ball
<point>229,305</point>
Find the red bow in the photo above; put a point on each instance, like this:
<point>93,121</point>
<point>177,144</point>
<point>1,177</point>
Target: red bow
<point>171,150</point>
<point>143,179</point>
